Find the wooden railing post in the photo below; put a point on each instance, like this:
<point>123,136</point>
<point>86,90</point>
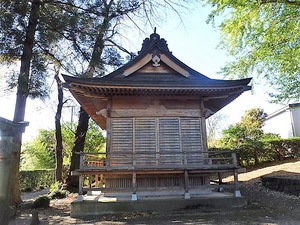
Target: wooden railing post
<point>237,192</point>
<point>234,160</point>
<point>134,186</point>
<point>81,162</point>
<point>80,185</point>
<point>220,189</point>
<point>80,191</point>
<point>186,185</point>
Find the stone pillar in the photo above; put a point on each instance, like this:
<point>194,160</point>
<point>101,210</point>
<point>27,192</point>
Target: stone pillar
<point>7,147</point>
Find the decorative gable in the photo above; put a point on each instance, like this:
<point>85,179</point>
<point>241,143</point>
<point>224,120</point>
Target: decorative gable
<point>156,63</point>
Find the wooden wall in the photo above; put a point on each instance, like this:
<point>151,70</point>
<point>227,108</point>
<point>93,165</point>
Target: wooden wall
<point>155,131</point>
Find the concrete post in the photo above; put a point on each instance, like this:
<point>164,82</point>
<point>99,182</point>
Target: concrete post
<point>7,148</point>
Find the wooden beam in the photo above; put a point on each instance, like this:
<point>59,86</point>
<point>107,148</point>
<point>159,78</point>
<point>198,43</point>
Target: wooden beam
<point>174,66</point>
<point>203,128</point>
<point>108,131</point>
<point>147,58</point>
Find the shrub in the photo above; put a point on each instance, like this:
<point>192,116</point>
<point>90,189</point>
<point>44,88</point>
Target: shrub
<point>265,151</point>
<point>36,179</point>
<point>283,148</point>
<point>57,190</point>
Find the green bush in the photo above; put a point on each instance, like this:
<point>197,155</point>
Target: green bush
<point>57,191</point>
<point>283,148</point>
<point>269,150</point>
<point>36,179</point>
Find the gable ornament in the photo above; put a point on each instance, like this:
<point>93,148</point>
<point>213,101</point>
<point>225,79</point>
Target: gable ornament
<point>156,60</point>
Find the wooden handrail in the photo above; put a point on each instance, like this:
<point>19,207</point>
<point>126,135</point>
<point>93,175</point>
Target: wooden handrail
<point>214,162</point>
<point>101,161</point>
<point>147,152</point>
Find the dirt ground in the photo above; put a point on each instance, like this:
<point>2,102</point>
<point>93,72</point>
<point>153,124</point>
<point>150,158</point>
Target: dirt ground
<point>265,207</point>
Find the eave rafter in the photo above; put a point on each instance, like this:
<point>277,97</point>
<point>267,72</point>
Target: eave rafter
<point>205,92</point>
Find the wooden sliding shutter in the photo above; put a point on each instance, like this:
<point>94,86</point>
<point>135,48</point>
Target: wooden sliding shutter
<point>152,141</point>
<point>145,141</point>
<point>191,140</point>
<point>169,141</point>
<point>122,146</point>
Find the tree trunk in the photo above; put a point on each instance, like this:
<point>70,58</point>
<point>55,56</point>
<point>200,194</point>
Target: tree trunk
<point>58,135</point>
<point>82,127</point>
<point>22,94</point>
<point>72,182</point>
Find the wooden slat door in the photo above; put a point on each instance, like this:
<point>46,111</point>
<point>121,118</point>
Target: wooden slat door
<point>156,141</point>
<point>145,141</point>
<point>191,140</point>
<point>121,141</point>
<point>169,141</point>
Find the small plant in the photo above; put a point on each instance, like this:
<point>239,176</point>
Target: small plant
<point>57,190</point>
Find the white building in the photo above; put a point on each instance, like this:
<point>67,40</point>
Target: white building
<point>285,121</point>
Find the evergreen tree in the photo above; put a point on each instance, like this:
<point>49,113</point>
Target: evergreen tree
<point>26,35</point>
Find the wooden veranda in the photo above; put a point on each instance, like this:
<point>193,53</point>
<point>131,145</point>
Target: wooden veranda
<point>140,180</point>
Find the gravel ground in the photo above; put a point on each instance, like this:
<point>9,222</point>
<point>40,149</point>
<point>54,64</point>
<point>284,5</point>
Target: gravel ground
<point>265,207</point>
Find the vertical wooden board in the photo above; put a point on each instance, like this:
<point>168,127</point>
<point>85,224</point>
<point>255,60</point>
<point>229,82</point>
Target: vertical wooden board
<point>198,180</point>
<point>121,141</point>
<point>169,141</point>
<point>191,140</point>
<point>145,141</point>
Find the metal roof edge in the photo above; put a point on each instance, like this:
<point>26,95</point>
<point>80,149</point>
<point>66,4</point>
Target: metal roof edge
<point>280,111</point>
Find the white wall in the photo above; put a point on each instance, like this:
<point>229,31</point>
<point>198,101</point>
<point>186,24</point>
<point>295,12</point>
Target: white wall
<point>296,119</point>
<point>280,124</point>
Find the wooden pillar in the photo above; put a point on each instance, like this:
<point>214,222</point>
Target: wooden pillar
<point>237,192</point>
<point>80,180</point>
<point>81,160</point>
<point>203,127</point>
<point>97,180</point>
<point>90,180</point>
<point>134,156</point>
<point>80,191</point>
<point>134,186</point>
<point>157,155</point>
<point>220,189</point>
<point>108,132</point>
<point>186,185</point>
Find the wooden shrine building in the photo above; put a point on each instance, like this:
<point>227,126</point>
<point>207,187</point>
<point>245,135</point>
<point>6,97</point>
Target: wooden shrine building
<point>154,110</point>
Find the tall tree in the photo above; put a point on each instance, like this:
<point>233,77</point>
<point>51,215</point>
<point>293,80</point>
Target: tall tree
<point>264,39</point>
<point>27,31</point>
<point>58,131</point>
<point>108,14</point>
<point>19,23</point>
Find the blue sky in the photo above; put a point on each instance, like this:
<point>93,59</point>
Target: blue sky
<point>194,43</point>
